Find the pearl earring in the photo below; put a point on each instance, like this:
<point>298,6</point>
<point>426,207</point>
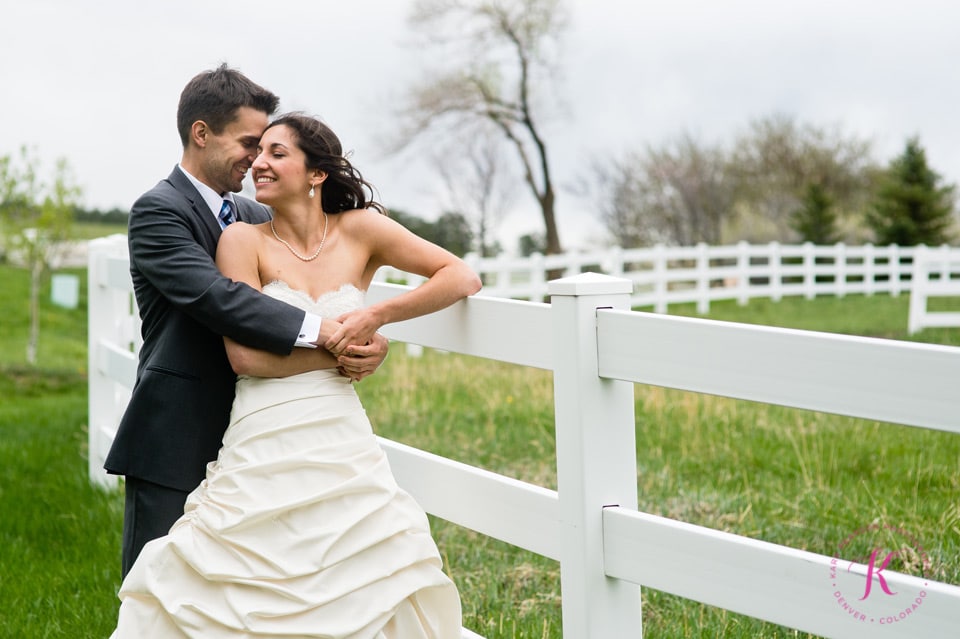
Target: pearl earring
<point>311,192</point>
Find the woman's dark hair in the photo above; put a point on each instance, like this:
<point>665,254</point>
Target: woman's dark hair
<point>214,97</point>
<point>344,189</point>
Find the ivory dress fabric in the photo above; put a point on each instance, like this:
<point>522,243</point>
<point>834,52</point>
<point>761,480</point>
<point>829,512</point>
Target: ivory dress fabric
<point>299,529</point>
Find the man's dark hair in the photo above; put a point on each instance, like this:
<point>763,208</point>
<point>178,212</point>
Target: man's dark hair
<point>214,97</point>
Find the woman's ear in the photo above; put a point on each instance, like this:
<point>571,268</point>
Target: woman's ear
<point>318,177</point>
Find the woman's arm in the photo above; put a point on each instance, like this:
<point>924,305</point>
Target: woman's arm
<point>238,259</point>
<point>449,279</point>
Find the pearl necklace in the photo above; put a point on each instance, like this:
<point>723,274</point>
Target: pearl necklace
<point>294,251</point>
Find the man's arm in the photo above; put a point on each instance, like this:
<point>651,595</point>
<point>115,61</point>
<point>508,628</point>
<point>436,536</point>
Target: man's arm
<point>165,249</point>
<point>237,258</point>
<point>356,363</point>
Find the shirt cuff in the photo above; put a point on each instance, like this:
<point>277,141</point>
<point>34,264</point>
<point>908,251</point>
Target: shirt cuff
<point>309,331</point>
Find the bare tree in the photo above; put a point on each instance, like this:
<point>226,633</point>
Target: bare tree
<point>495,67</point>
<point>776,160</point>
<point>478,187</point>
<point>677,194</point>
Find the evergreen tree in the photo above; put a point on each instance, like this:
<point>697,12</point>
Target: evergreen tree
<point>452,231</point>
<point>413,223</point>
<point>815,220</point>
<point>911,207</point>
<point>532,243</point>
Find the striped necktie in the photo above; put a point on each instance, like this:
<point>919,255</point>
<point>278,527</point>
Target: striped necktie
<point>226,214</point>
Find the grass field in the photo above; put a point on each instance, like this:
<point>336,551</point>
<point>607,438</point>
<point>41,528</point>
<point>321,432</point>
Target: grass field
<point>788,476</point>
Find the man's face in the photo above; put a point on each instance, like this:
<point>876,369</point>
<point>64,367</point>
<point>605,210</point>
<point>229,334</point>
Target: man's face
<point>229,154</point>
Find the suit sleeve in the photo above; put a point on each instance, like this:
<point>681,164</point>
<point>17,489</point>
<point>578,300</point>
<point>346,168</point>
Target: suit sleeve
<point>166,250</point>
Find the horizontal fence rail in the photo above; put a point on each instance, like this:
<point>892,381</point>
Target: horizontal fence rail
<point>597,349</point>
<point>888,380</point>
<point>701,274</point>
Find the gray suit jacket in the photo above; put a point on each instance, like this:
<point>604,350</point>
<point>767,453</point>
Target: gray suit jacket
<point>180,405</point>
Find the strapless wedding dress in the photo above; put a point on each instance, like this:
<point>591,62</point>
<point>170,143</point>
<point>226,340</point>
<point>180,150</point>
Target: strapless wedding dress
<point>299,529</point>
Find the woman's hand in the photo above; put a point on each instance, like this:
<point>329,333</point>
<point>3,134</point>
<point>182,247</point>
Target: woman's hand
<point>355,328</point>
<point>353,340</point>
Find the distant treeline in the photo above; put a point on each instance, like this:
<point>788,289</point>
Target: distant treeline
<point>96,216</point>
<point>452,231</point>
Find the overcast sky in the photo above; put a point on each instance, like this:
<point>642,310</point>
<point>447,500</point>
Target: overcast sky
<point>98,82</point>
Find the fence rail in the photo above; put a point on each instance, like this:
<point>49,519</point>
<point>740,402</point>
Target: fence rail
<point>597,350</point>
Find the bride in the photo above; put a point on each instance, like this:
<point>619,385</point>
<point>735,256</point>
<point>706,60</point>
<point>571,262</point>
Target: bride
<point>299,529</point>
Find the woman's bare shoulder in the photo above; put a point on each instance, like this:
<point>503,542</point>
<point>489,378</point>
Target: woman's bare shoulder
<point>365,221</point>
<point>242,232</point>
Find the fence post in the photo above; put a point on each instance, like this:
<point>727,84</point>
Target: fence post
<point>659,257</point>
<point>869,270</point>
<point>596,458</point>
<point>613,264</point>
<point>840,269</point>
<point>743,272</point>
<point>775,264</point>
<point>896,283</point>
<point>918,291</point>
<point>703,279</point>
<point>538,277</point>
<point>108,317</point>
<point>809,271</point>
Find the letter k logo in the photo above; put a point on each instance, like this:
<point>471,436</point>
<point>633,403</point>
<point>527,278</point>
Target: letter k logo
<point>873,570</point>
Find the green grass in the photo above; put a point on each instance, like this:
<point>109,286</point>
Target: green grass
<point>59,536</point>
<point>793,477</point>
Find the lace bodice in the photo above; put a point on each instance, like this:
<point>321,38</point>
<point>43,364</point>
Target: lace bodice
<point>330,304</point>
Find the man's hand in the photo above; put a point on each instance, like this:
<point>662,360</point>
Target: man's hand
<point>358,361</point>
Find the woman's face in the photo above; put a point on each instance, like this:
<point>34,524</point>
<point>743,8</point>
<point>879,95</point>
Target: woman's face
<point>280,171</point>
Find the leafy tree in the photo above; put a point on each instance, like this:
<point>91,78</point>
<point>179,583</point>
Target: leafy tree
<point>415,224</point>
<point>815,220</point>
<point>911,206</point>
<point>36,221</point>
<point>451,230</point>
<point>531,243</point>
<point>498,56</point>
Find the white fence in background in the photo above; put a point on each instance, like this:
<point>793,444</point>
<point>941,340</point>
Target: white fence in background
<point>597,350</point>
<point>701,274</point>
<point>936,275</point>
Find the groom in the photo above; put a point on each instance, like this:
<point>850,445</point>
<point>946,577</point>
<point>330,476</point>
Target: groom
<point>180,405</point>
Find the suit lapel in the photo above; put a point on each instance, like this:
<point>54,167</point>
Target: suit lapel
<point>197,203</point>
<point>246,210</point>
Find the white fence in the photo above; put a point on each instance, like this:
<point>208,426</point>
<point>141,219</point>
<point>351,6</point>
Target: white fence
<point>936,275</point>
<point>597,350</point>
<point>701,274</point>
